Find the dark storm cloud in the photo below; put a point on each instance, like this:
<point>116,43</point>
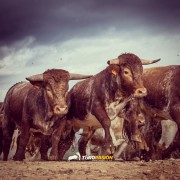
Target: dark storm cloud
<point>51,20</point>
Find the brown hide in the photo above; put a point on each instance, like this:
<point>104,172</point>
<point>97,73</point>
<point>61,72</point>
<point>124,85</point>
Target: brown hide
<point>91,98</point>
<point>163,84</point>
<point>36,105</point>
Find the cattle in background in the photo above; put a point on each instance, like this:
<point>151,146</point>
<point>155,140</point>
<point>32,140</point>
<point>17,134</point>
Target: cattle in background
<point>163,85</point>
<point>91,99</point>
<point>37,104</point>
<point>163,97</point>
<point>152,134</point>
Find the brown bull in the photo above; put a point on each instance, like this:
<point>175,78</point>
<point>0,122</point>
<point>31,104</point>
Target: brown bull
<point>92,98</point>
<point>162,85</point>
<point>37,104</point>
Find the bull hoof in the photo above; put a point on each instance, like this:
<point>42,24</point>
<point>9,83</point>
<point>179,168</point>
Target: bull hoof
<point>53,158</point>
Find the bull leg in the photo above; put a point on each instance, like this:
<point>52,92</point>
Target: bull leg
<point>82,146</point>
<point>23,141</point>
<point>65,144</point>
<point>120,150</point>
<point>55,140</point>
<point>135,133</point>
<point>8,130</point>
<point>104,120</point>
<point>44,147</point>
<point>83,143</point>
<point>17,142</point>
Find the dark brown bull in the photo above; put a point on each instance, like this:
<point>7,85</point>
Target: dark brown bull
<point>36,104</point>
<point>91,99</point>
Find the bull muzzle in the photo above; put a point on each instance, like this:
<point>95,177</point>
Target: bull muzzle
<point>60,110</point>
<point>140,92</point>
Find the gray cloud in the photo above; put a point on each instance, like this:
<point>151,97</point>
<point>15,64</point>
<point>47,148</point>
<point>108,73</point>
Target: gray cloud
<point>55,20</point>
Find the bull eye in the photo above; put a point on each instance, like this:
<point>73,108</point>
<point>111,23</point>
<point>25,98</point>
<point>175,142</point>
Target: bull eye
<point>126,72</point>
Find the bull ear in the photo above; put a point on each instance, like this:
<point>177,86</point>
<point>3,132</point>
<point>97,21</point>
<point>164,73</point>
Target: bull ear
<point>113,69</point>
<point>78,76</point>
<point>36,80</point>
<point>146,62</point>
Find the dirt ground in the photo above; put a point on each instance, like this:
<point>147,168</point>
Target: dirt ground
<point>162,170</point>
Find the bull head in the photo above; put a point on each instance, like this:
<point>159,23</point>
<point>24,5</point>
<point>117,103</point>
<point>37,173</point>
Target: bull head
<point>55,84</point>
<point>131,72</point>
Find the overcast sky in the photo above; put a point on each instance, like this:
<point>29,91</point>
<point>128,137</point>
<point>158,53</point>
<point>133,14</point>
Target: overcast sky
<point>81,35</point>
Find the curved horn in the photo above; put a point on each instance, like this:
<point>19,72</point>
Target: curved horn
<point>113,61</point>
<point>146,62</point>
<point>37,77</point>
<point>74,76</point>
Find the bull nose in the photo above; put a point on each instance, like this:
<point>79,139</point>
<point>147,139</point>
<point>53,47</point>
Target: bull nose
<point>60,110</point>
<point>140,92</point>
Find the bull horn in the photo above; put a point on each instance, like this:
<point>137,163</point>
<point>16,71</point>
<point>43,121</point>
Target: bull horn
<point>78,76</point>
<point>146,62</point>
<point>37,77</point>
<point>113,61</point>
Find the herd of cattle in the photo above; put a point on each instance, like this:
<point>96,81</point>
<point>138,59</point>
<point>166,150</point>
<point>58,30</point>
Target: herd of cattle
<point>123,111</point>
